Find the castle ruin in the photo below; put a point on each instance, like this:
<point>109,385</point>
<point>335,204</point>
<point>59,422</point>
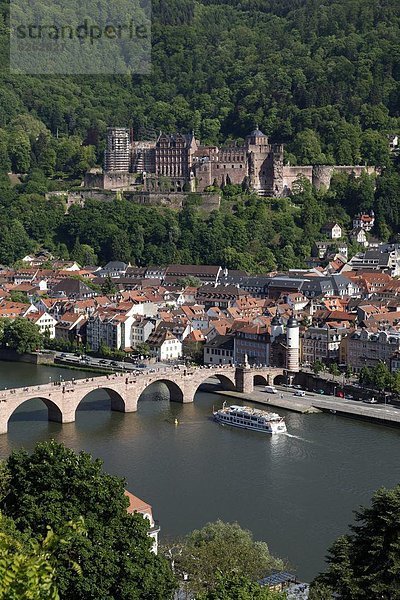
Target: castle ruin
<point>179,163</point>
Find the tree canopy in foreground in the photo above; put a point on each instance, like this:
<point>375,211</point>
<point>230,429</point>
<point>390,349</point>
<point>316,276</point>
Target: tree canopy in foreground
<point>365,563</point>
<point>55,485</point>
<point>221,548</point>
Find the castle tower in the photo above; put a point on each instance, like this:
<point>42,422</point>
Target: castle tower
<point>117,156</point>
<point>293,345</point>
<point>260,163</point>
<point>276,327</point>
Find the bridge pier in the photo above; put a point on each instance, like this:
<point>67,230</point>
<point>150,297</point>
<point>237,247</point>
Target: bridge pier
<point>124,390</point>
<point>244,378</point>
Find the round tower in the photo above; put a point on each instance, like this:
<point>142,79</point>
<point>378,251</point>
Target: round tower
<point>293,345</point>
<point>276,327</point>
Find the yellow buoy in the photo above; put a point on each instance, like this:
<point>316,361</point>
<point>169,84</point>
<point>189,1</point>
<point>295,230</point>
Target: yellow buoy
<point>176,422</point>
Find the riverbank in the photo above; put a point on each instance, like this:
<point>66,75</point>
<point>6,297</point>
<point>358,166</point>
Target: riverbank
<point>299,405</point>
<point>98,371</point>
<point>379,414</point>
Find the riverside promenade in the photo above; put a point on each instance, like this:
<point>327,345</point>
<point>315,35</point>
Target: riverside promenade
<point>385,414</point>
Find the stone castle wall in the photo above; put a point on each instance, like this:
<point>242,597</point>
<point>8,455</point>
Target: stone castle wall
<point>320,175</point>
<point>175,200</point>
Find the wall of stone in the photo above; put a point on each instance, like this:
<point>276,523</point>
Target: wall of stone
<point>35,358</point>
<point>290,174</point>
<point>175,200</point>
<point>320,175</point>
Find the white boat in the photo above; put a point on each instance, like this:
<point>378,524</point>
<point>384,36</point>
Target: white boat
<point>245,417</point>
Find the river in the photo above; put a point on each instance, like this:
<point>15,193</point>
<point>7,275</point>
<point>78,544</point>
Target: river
<point>296,491</point>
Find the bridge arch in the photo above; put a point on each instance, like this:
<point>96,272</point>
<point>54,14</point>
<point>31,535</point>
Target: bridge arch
<point>260,379</point>
<point>176,393</point>
<point>116,400</point>
<point>279,379</point>
<point>226,380</point>
<point>54,412</point>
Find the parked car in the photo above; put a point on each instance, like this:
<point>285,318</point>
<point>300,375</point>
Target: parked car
<point>349,397</point>
<point>319,391</point>
<point>299,393</point>
<point>340,394</point>
<point>370,401</point>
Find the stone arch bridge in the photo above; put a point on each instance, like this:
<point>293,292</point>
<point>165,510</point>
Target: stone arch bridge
<point>124,390</point>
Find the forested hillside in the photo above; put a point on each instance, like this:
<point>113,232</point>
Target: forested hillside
<point>322,76</point>
<point>222,66</point>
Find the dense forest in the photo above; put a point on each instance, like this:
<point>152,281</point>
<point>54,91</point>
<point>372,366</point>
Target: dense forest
<point>248,232</point>
<point>322,77</point>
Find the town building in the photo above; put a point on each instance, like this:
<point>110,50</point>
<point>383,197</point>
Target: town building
<point>45,322</point>
<point>219,350</point>
<point>136,505</point>
<point>386,258</point>
<point>364,221</point>
<point>367,348</point>
<point>141,330</point>
<point>321,343</point>
<point>332,230</point>
<point>164,346</point>
<point>252,341</point>
<point>109,327</point>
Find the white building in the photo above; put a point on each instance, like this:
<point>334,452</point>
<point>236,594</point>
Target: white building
<point>136,505</point>
<point>44,321</point>
<point>364,221</point>
<point>164,346</point>
<point>111,329</point>
<point>141,331</point>
<point>332,230</point>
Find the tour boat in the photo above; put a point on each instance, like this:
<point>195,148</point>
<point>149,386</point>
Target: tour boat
<point>250,418</point>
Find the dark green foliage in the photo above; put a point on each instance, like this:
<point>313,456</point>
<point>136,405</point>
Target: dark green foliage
<point>20,335</point>
<point>322,77</point>
<point>222,548</point>
<point>234,587</point>
<point>365,563</point>
<point>54,485</point>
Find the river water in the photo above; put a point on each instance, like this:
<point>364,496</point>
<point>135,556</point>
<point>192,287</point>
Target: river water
<point>295,491</point>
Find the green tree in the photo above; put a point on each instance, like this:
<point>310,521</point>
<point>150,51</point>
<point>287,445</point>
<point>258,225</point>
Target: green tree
<point>20,150</point>
<point>28,566</point>
<point>108,288</point>
<point>334,369</point>
<point>53,485</point>
<point>307,148</point>
<point>22,336</point>
<point>318,366</point>
<point>223,548</point>
<point>143,349</point>
<point>234,587</point>
<point>365,562</point>
<point>375,148</point>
